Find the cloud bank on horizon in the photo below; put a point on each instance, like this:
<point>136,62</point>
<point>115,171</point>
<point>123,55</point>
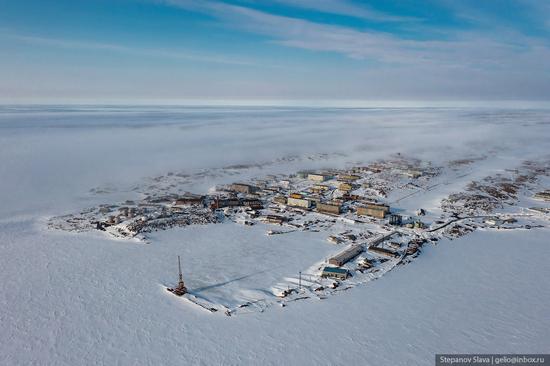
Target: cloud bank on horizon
<point>159,50</point>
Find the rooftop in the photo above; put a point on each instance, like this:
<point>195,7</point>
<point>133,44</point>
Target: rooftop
<point>335,270</point>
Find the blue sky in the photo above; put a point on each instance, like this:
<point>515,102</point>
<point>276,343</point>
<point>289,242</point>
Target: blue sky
<point>172,50</point>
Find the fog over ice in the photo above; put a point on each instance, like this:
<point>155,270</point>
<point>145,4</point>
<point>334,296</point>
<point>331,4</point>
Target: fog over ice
<point>52,156</point>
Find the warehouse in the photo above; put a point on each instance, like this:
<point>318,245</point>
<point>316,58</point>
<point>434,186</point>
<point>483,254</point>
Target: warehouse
<point>373,210</point>
<point>347,255</point>
<point>299,202</point>
<point>336,273</point>
<point>329,208</point>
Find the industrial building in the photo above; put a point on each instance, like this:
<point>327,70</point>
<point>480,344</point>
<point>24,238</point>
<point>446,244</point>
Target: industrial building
<point>374,210</point>
<point>336,273</point>
<point>299,202</point>
<point>347,255</point>
<point>329,208</point>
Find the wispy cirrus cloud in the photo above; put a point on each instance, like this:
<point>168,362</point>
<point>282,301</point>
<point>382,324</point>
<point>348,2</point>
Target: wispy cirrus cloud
<point>462,49</point>
<point>149,52</point>
<point>500,62</point>
<point>457,53</point>
<point>347,8</point>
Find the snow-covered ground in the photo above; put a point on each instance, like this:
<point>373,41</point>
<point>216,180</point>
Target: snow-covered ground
<point>74,299</point>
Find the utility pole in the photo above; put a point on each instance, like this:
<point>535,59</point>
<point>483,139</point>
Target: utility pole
<point>300,280</point>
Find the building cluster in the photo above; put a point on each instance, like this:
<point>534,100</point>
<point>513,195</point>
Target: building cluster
<point>326,201</point>
<point>298,201</point>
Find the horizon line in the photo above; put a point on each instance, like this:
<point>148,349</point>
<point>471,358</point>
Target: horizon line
<point>313,103</point>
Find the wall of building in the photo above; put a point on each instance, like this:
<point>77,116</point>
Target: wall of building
<point>378,211</point>
<point>324,207</point>
<point>298,202</point>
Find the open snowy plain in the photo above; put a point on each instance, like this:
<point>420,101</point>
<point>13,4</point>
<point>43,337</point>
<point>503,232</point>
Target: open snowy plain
<point>84,298</point>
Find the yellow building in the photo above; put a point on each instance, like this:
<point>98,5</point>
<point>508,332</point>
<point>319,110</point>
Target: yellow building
<point>373,210</point>
<point>345,187</point>
<point>299,202</point>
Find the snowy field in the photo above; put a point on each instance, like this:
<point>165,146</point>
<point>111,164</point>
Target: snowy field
<point>78,299</point>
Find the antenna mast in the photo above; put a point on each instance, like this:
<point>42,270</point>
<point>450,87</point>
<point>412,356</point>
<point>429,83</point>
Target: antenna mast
<point>181,289</point>
<point>179,268</point>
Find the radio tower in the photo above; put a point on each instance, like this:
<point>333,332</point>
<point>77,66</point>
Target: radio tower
<point>181,289</point>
